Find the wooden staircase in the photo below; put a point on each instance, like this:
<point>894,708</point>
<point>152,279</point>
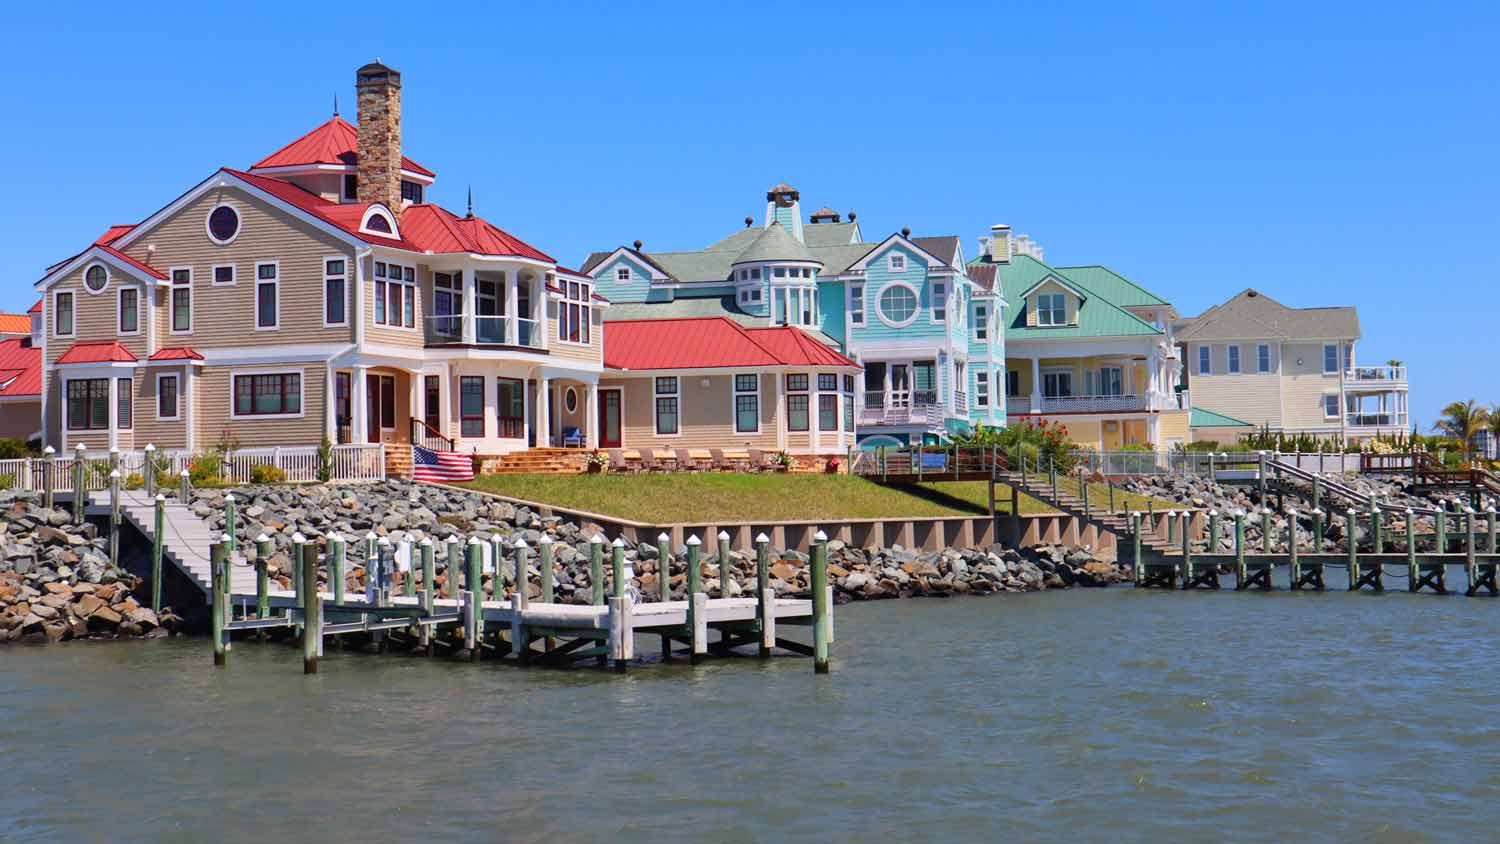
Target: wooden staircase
<point>1038,487</point>
<point>540,461</point>
<point>398,461</point>
<point>186,541</point>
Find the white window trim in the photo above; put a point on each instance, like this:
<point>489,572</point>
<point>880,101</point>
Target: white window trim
<point>734,402</point>
<point>1205,360</point>
<point>114,410</point>
<point>1234,364</point>
<point>1325,397</point>
<point>981,397</point>
<point>932,312</point>
<point>916,312</point>
<point>412,289</point>
<point>1057,370</point>
<point>587,303</point>
<point>1336,353</point>
<point>239,228</point>
<point>655,425</point>
<point>140,296</point>
<point>570,400</point>
<point>377,210</point>
<point>1037,307</point>
<point>234,275</point>
<point>856,315</point>
<point>192,300</point>
<point>895,262</point>
<point>327,278</point>
<point>257,417</point>
<point>811,391</point>
<point>109,277</point>
<point>162,376</point>
<point>114,401</point>
<point>981,322</point>
<point>55,295</point>
<point>622,274</point>
<point>259,282</point>
<point>1270,359</point>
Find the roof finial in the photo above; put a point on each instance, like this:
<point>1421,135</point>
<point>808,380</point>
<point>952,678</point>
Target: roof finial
<point>335,104</point>
<point>471,202</point>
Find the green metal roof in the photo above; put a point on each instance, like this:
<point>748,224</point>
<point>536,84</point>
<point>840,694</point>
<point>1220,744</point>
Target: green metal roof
<point>1113,286</point>
<point>1204,418</point>
<point>775,243</point>
<point>1098,316</point>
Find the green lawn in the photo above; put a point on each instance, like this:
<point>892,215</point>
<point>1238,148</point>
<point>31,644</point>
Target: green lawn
<point>690,497</point>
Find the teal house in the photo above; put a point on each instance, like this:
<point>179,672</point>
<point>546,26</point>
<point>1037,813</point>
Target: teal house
<point>928,333</point>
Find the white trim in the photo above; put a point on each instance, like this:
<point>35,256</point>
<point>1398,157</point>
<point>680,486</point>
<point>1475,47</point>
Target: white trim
<point>324,292</point>
<point>83,279</point>
<point>171,297</point>
<point>261,282</point>
<point>571,392</point>
<point>73,317</point>
<point>413,289</point>
<point>849,310</point>
<point>981,322</point>
<point>378,209</point>
<point>932,260</point>
<point>109,429</point>
<point>896,262</point>
<point>634,258</point>
<point>676,394</point>
<point>234,275</point>
<point>323,167</point>
<point>59,272</point>
<point>932,309</point>
<point>1269,370</point>
<point>916,311</point>
<point>734,401</point>
<point>1205,356</point>
<point>255,417</point>
<point>1060,283</point>
<point>239,224</point>
<point>177,377</point>
<point>120,309</point>
<point>1037,309</point>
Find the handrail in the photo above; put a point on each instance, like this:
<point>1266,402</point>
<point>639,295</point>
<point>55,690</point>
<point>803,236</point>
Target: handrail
<point>423,434</point>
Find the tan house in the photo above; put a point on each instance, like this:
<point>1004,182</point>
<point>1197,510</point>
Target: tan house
<point>1288,369</point>
<point>710,382</point>
<point>317,294</point>
<point>20,376</point>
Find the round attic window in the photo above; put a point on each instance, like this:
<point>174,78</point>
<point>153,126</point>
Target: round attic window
<point>223,224</point>
<point>95,278</point>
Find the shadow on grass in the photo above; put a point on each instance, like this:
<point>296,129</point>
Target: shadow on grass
<point>942,499</point>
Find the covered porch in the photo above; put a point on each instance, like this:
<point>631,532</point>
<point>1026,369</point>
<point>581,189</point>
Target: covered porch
<point>474,302</point>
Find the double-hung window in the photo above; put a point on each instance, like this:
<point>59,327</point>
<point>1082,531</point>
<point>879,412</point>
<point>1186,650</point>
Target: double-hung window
<point>1111,381</point>
<point>981,321</point>
<point>981,389</point>
<point>1205,360</point>
<point>1013,382</point>
<point>1263,358</point>
<point>471,405</point>
<point>182,301</point>
<point>856,304</point>
<point>268,394</point>
<point>62,320</point>
<point>267,298</point>
<point>448,303</point>
<point>166,397</point>
<point>1234,359</point>
<point>796,402</point>
<point>667,409</point>
<point>88,404</point>
<point>848,402</point>
<point>395,295</point>
<point>1051,309</point>
<point>1330,360</point>
<point>130,310</point>
<point>746,404</point>
<point>828,402</point>
<point>574,312</point>
<point>1331,406</point>
<point>335,296</point>
<point>939,301</point>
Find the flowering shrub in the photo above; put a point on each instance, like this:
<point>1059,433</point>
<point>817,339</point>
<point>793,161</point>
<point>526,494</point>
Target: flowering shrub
<point>1038,442</point>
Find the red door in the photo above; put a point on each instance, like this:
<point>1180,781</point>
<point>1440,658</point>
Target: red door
<point>609,419</point>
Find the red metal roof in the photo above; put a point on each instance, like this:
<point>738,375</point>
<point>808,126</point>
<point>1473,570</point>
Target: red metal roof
<point>35,309</point>
<point>440,230</point>
<point>143,267</point>
<point>345,216</point>
<point>333,142</point>
<point>97,351</point>
<point>15,324</point>
<point>114,233</point>
<point>20,368</point>
<point>709,343</point>
<point>176,353</point>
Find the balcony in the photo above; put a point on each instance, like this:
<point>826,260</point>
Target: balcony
<point>899,408</point>
<point>488,331</point>
<point>1375,377</point>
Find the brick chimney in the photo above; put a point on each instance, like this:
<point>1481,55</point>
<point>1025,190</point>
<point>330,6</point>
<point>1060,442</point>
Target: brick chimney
<point>379,168</point>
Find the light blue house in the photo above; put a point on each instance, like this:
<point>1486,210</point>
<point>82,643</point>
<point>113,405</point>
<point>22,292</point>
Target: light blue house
<point>926,328</point>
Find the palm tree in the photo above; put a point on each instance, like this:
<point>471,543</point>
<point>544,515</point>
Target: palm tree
<point>1463,420</point>
<point>1494,428</point>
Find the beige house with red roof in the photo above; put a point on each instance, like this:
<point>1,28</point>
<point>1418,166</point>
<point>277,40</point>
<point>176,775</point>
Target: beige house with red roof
<point>20,376</point>
<point>317,294</point>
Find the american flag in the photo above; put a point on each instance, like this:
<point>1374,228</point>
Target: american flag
<point>429,465</point>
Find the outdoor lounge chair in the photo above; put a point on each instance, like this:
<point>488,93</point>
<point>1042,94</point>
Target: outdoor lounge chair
<point>618,463</point>
<point>734,459</point>
<point>699,459</point>
<point>572,438</point>
<point>663,459</point>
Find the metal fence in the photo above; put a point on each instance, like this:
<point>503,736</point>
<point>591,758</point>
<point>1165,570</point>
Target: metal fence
<point>347,463</point>
<point>1116,463</point>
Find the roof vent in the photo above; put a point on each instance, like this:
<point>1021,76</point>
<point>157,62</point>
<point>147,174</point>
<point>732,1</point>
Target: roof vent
<point>825,215</point>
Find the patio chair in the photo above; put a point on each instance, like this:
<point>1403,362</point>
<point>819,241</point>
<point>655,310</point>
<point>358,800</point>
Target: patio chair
<point>700,459</point>
<point>736,459</point>
<point>572,438</point>
<point>618,463</point>
<point>664,459</point>
<point>758,461</point>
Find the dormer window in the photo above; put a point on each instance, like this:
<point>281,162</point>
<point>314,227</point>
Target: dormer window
<point>622,274</point>
<point>898,263</point>
<point>378,220</point>
<point>378,223</point>
<point>411,192</point>
<point>1051,309</point>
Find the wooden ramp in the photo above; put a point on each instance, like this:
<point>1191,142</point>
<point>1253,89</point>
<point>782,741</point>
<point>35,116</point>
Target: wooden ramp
<point>185,537</point>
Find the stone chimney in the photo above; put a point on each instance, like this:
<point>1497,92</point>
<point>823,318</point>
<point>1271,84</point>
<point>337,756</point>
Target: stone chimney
<point>379,168</point>
<point>1000,245</point>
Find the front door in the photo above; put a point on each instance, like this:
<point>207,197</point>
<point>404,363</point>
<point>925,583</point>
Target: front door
<point>609,418</point>
<point>380,405</point>
<point>900,385</point>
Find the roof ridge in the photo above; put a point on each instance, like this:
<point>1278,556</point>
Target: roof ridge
<point>1098,297</point>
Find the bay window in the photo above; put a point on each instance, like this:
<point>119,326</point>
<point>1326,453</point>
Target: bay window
<point>268,394</point>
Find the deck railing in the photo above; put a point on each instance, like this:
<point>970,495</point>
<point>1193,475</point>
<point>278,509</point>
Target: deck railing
<point>299,464</point>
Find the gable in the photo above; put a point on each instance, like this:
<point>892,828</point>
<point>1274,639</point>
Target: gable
<point>1052,287</point>
<point>635,288</point>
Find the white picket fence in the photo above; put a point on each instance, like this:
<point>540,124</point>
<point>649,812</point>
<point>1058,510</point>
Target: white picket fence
<point>348,464</point>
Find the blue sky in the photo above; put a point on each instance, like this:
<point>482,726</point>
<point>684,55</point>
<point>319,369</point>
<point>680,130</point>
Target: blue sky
<point>1325,154</point>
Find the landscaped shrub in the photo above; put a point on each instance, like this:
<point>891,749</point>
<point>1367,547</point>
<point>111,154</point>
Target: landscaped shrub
<point>1204,445</point>
<point>12,449</point>
<point>1041,443</point>
<point>265,473</point>
<point>205,468</point>
<point>134,481</point>
<point>7,480</point>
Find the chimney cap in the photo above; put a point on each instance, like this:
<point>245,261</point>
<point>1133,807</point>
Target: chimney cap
<point>1000,227</point>
<point>376,72</point>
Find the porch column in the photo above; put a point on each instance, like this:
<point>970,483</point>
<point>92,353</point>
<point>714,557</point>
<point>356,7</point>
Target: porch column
<point>189,393</point>
<point>330,406</point>
<point>359,410</point>
<point>781,421</point>
<point>543,413</point>
<point>591,418</point>
<point>445,401</point>
<point>512,319</point>
<point>471,305</point>
<point>526,409</point>
<point>114,412</point>
<point>418,405</point>
<point>1036,385</point>
<point>539,305</point>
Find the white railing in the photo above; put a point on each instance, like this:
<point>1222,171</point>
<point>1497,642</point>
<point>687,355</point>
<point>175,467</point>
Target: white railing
<point>1076,404</point>
<point>1382,374</point>
<point>347,463</point>
<point>1117,463</point>
<point>960,403</point>
<point>1017,405</point>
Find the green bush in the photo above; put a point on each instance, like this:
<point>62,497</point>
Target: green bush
<point>12,449</point>
<point>1205,445</point>
<point>7,480</point>
<point>134,481</point>
<point>265,473</point>
<point>205,469</point>
<point>325,460</point>
<point>1039,443</point>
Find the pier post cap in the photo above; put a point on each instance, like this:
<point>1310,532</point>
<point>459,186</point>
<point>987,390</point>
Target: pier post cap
<point>1352,511</point>
<point>1317,511</point>
<point>761,539</point>
<point>694,541</point>
<point>521,545</point>
<point>1468,509</point>
<point>228,497</point>
<point>474,540</point>
<point>161,498</point>
<point>183,473</point>
<point>114,474</point>
<point>226,538</point>
<point>115,450</point>
<point>618,543</point>
<point>425,542</point>
<point>545,540</point>
<point>80,447</point>
<point>1291,512</point>
<point>1410,512</point>
<point>820,536</point>
<point>49,450</point>
<point>261,538</point>
<point>662,537</point>
<point>150,447</point>
<point>497,538</point>
<point>1210,512</point>
<point>597,539</point>
<point>724,535</point>
<point>370,537</point>
<point>384,542</point>
<point>298,538</point>
<point>333,536</point>
<point>1135,514</point>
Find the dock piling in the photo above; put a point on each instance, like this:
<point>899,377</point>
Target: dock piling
<point>114,517</point>
<point>1294,560</point>
<point>544,562</point>
<point>157,542</point>
<point>312,612</point>
<point>1318,526</point>
<point>148,470</point>
<point>299,583</point>
<point>1139,567</point>
<point>452,559</point>
<point>762,589</point>
<point>184,486</point>
<point>429,576</point>
<point>596,569</point>
<point>474,599</point>
<point>231,528</point>
<point>49,477</point>
<point>621,636</point>
<point>822,629</point>
<point>664,585</point>
<point>218,573</point>
<point>80,483</point>
<point>336,554</point>
<point>698,626</point>
<point>617,568</point>
<point>726,566</point>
